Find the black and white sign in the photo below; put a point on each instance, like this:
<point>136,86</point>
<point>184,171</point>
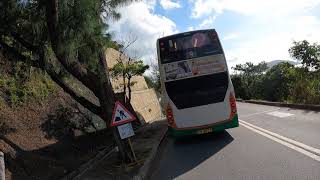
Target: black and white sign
<point>125,130</point>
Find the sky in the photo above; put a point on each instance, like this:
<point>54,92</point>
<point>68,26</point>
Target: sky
<point>249,30</point>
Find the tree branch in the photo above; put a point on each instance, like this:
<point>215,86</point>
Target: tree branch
<point>75,68</point>
<point>17,56</point>
<point>54,76</point>
<point>48,67</point>
<point>83,101</point>
<point>23,42</point>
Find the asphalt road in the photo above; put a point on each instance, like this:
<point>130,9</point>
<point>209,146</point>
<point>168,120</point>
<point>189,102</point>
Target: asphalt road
<point>278,143</point>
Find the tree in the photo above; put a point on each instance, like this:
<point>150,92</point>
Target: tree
<point>127,65</point>
<point>277,82</point>
<point>250,83</point>
<point>249,69</point>
<point>127,70</point>
<point>66,39</point>
<point>153,79</point>
<point>155,74</point>
<point>308,54</point>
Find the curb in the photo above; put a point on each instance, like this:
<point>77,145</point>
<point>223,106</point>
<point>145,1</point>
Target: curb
<point>282,104</point>
<point>145,170</point>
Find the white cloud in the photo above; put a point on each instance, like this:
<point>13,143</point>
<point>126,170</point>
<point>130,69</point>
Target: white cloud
<point>203,8</point>
<point>139,19</point>
<point>274,44</point>
<point>190,28</point>
<point>231,36</point>
<point>169,4</point>
<point>208,23</point>
<point>267,28</point>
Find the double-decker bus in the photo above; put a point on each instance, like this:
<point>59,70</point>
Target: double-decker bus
<point>197,92</point>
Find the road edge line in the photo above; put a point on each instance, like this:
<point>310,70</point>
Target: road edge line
<point>291,146</point>
<point>291,141</point>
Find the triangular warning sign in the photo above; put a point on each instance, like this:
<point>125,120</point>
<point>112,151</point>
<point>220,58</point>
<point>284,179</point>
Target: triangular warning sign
<point>121,115</point>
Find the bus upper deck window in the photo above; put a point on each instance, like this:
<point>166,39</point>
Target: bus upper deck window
<point>198,40</point>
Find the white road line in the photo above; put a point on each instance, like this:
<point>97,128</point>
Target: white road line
<point>296,143</point>
<point>280,114</point>
<point>296,148</point>
<point>263,112</point>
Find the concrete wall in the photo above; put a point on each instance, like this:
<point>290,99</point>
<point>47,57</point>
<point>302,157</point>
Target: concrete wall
<point>146,104</point>
<point>144,100</point>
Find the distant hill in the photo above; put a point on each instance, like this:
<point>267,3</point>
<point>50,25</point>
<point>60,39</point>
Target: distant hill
<point>275,62</point>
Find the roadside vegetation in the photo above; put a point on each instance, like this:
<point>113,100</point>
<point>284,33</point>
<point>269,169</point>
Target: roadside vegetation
<point>283,82</point>
<point>19,83</point>
<point>55,85</point>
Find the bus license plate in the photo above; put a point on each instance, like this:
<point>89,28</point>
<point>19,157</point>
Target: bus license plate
<point>204,131</point>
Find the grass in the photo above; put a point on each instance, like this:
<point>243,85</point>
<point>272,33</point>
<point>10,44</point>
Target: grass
<point>16,89</point>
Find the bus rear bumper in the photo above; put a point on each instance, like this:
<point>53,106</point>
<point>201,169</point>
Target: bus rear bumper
<point>208,129</point>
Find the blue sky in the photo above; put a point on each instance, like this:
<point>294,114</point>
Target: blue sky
<point>250,30</point>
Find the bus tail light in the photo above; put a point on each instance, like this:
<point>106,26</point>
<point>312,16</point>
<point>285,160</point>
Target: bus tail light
<point>233,105</point>
<point>170,117</point>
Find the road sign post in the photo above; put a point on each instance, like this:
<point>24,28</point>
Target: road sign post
<point>121,115</point>
<point>121,123</point>
<point>125,130</point>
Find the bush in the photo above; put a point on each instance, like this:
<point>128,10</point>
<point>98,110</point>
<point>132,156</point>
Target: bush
<point>306,91</point>
<point>283,82</point>
<point>23,83</point>
<point>63,122</point>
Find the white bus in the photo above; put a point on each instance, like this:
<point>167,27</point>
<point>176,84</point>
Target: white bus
<point>197,91</point>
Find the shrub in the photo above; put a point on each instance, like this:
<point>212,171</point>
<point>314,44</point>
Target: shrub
<point>23,83</point>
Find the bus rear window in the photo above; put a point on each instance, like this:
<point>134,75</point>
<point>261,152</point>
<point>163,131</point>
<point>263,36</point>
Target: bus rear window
<point>190,45</point>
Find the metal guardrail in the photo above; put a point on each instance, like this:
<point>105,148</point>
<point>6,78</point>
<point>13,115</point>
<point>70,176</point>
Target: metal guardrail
<point>282,104</point>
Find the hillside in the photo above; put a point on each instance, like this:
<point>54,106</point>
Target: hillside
<point>275,62</point>
<point>44,133</point>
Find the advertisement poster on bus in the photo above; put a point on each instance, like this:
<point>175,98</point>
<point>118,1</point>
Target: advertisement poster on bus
<point>177,70</point>
<point>186,69</point>
<point>207,67</point>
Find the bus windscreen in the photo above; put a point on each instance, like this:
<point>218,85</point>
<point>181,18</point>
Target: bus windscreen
<point>188,46</point>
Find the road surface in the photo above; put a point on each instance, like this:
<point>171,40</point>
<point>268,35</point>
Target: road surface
<point>271,143</point>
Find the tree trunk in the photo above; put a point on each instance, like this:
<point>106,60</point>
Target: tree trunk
<point>107,101</point>
<point>124,87</point>
<point>129,88</point>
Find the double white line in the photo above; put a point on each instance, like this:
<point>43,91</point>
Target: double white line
<point>312,152</point>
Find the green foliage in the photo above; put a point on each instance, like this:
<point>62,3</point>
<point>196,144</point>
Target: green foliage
<point>248,79</point>
<point>132,68</point>
<point>75,33</point>
<point>277,81</point>
<point>24,83</point>
<point>249,69</point>
<point>283,82</point>
<point>149,81</point>
<point>306,89</point>
<point>126,69</point>
<point>155,77</point>
<point>308,54</point>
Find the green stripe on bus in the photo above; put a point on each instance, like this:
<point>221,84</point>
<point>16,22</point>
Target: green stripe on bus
<point>231,124</point>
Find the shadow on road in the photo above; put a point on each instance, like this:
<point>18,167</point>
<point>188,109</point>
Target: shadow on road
<point>180,156</point>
